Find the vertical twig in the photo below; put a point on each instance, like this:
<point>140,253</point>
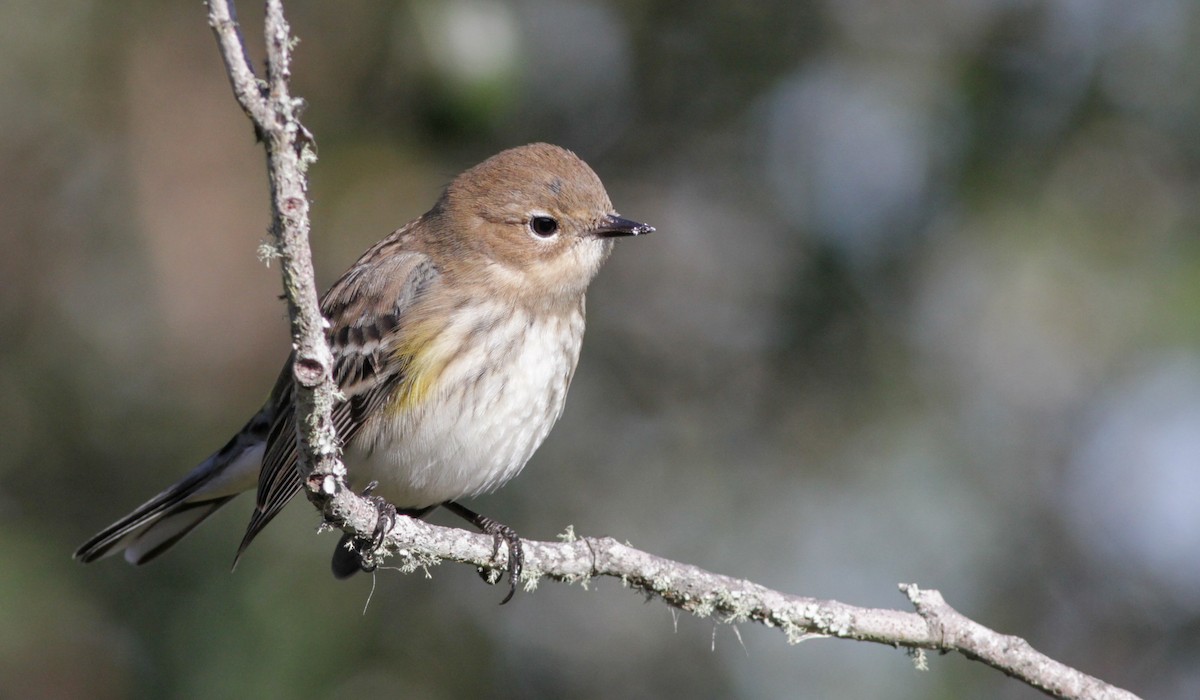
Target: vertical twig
<point>289,146</point>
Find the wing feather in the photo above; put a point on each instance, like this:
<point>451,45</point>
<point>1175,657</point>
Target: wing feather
<point>360,337</point>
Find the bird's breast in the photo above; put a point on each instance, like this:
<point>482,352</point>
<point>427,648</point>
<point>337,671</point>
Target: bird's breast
<point>480,396</point>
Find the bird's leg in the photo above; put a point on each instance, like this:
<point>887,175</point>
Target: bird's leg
<point>384,522</point>
<point>500,533</point>
<point>354,554</point>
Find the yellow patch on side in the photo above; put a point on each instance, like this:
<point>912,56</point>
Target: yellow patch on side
<point>423,357</point>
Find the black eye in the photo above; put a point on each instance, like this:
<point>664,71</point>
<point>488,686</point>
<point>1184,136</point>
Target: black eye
<point>543,226</point>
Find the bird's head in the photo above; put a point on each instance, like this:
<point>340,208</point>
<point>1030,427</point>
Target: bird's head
<point>536,220</point>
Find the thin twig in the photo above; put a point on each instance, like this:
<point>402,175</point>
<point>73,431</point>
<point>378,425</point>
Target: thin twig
<point>275,114</point>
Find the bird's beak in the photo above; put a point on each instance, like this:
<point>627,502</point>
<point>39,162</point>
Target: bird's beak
<point>612,226</point>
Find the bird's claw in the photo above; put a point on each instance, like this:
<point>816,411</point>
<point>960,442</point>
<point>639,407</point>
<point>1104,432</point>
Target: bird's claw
<point>355,554</point>
<point>500,533</point>
<point>385,522</point>
<point>503,534</point>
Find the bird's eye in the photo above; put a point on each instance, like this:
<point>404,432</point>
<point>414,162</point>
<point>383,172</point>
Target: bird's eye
<point>543,226</point>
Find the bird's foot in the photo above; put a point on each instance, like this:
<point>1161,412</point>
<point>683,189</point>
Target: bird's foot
<point>501,534</point>
<point>354,554</point>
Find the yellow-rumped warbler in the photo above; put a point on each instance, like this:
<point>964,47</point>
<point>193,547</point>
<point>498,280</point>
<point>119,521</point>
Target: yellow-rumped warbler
<point>454,342</point>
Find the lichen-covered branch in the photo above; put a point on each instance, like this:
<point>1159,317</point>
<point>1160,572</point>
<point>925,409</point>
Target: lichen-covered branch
<point>276,117</point>
<point>415,544</point>
<point>935,626</point>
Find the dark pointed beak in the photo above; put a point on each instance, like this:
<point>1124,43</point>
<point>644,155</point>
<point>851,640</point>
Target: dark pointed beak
<point>612,226</point>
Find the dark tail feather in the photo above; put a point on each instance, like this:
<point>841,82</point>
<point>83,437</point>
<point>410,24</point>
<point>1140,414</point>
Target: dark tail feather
<point>170,529</point>
<point>151,529</point>
<point>264,514</point>
<point>157,524</point>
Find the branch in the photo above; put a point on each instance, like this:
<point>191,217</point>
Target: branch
<point>416,544</point>
<point>934,626</point>
<point>289,147</point>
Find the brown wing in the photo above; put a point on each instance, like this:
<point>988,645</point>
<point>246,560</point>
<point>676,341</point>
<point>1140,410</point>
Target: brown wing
<point>365,308</point>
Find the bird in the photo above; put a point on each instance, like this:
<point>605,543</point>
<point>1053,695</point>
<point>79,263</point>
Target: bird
<point>454,338</point>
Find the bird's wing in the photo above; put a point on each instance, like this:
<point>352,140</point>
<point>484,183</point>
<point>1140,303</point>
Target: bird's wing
<point>366,308</point>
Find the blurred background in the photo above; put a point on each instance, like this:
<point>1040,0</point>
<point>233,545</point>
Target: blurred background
<point>923,305</point>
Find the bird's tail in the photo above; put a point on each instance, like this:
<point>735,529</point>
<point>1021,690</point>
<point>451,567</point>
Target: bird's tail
<point>159,523</point>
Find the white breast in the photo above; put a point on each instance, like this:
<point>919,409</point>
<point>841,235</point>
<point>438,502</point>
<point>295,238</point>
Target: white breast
<point>492,407</point>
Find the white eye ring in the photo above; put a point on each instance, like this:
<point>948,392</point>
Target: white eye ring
<point>543,226</point>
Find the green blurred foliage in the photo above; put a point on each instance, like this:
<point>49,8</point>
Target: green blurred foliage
<point>924,305</point>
